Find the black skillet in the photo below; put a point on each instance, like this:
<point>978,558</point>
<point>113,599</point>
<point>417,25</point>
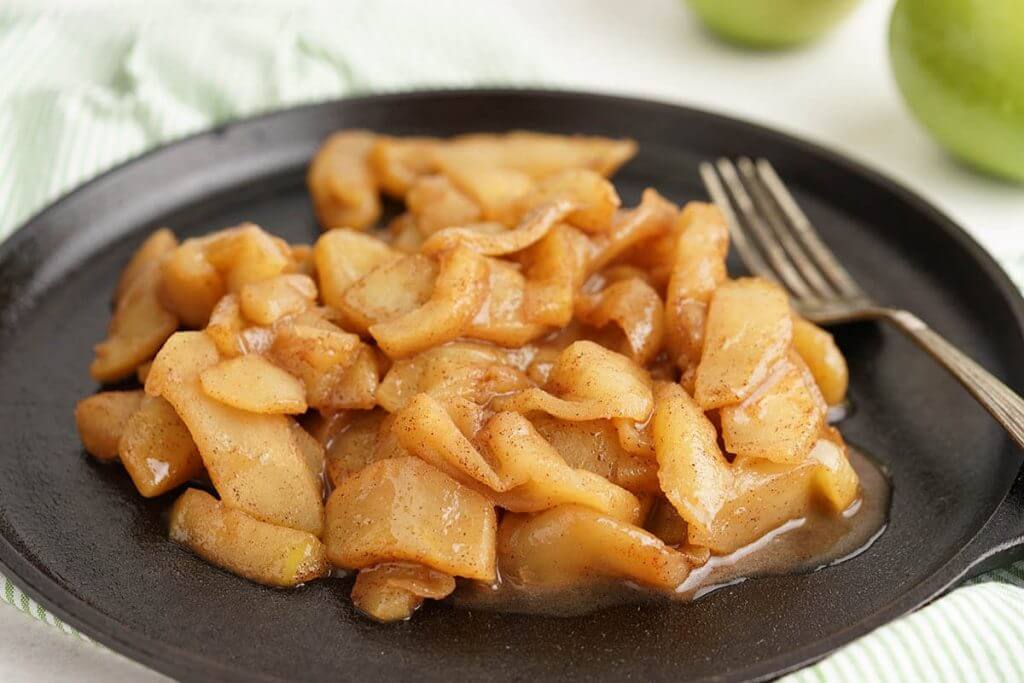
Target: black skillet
<point>75,536</point>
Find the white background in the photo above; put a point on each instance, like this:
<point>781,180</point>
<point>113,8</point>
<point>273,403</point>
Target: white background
<point>839,93</point>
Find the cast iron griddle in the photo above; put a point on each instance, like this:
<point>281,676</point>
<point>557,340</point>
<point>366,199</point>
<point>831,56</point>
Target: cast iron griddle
<point>76,537</point>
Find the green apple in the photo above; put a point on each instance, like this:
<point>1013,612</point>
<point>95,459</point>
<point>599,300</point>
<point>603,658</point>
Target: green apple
<point>960,66</point>
<point>771,23</point>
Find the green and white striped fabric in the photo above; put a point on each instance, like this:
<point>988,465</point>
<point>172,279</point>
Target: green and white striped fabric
<point>82,91</point>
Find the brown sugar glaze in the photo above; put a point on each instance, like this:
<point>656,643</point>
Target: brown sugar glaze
<point>801,545</point>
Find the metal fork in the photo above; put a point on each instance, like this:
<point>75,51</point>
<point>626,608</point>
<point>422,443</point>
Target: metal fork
<point>777,241</point>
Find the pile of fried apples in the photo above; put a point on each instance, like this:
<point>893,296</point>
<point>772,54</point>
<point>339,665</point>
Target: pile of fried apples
<point>515,378</point>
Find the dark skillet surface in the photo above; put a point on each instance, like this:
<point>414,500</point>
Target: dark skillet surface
<point>78,538</point>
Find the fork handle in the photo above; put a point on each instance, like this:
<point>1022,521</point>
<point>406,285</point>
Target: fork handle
<point>1005,405</point>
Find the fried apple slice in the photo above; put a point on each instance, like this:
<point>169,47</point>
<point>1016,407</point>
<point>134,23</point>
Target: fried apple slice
<point>226,327</point>
<point>653,216</point>
<point>823,357</point>
<point>534,226</point>
<point>139,327</point>
<point>426,430</point>
<point>524,456</point>
<point>389,291</point>
<point>156,449</point>
<point>267,301</point>
<point>311,450</point>
<point>321,355</point>
<point>101,419</point>
<point>189,284</point>
<point>402,509</point>
<point>497,191</point>
<point>589,382</point>
<point>635,437</point>
<point>261,552</point>
<point>254,384</point>
<point>246,254</point>
<point>158,245</point>
<point>729,506</point>
<point>835,478</point>
<point>635,308</point>
<point>749,329</point>
<point>594,198</point>
<point>537,154</point>
<point>459,291</point>
<point>356,388</point>
<point>780,421</point>
<point>341,182</point>
<point>555,268</point>
<point>403,234</point>
<point>398,162</point>
<point>345,256</point>
<point>594,446</point>
<point>252,459</point>
<point>501,318</point>
<point>698,269</point>
<point>694,474</point>
<point>435,204</point>
<point>350,443</point>
<point>571,545</point>
<point>392,591</point>
<point>477,372</point>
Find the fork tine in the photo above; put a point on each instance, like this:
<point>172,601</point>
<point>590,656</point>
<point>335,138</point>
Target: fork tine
<point>748,254</point>
<point>776,255</point>
<point>806,234</point>
<point>770,212</point>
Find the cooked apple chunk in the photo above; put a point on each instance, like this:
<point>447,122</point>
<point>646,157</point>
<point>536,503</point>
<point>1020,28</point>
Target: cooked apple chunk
<point>389,291</point>
<point>572,545</point>
<point>246,254</point>
<point>818,349</point>
<point>267,301</point>
<point>254,384</point>
<point>350,443</point>
<point>555,268</point>
<point>261,552</point>
<point>435,203</point>
<point>780,421</point>
<point>342,184</point>
<point>252,459</point>
<point>595,446</point>
<point>749,330</point>
<point>652,216</point>
<point>345,256</point>
<point>503,317</point>
<point>101,419</point>
<point>402,509</point>
<point>534,226</point>
<point>594,198</point>
<point>635,307</point>
<point>398,162</point>
<point>547,480</point>
<point>394,590</point>
<point>459,291</point>
<point>727,506</point>
<point>139,326</point>
<point>426,430</point>
<point>697,270</point>
<point>589,382</point>
<point>537,154</point>
<point>477,372</point>
<point>153,250</point>
<point>156,449</point>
